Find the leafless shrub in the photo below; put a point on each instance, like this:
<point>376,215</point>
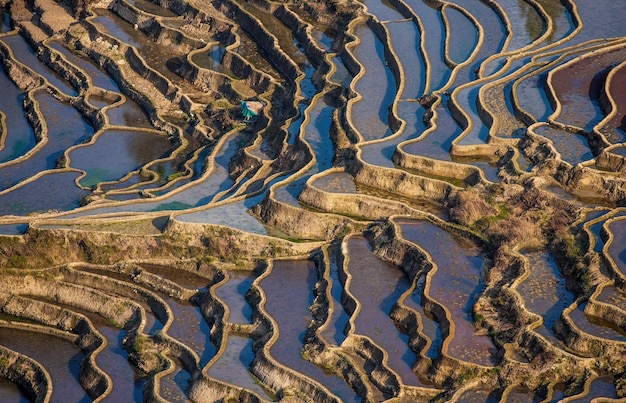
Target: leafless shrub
<point>520,231</point>
<point>203,391</point>
<point>468,206</point>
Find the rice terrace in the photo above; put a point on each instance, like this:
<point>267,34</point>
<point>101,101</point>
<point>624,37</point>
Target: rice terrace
<point>313,201</point>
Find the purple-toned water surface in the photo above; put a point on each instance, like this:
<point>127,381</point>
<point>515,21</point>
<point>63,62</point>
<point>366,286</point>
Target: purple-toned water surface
<point>456,284</point>
<point>377,286</point>
<point>289,292</point>
<point>233,291</point>
<point>60,358</point>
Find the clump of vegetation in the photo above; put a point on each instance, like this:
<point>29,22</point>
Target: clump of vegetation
<point>144,354</point>
<point>469,206</point>
<point>223,114</point>
<point>221,244</point>
<point>321,9</point>
<point>620,386</point>
<point>513,215</point>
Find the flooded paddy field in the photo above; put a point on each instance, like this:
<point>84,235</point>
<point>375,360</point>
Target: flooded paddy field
<point>458,287</point>
<point>338,200</point>
<point>60,357</point>
<point>290,310</point>
<point>20,138</point>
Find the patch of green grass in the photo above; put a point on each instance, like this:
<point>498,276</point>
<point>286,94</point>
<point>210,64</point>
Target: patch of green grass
<point>571,248</point>
<point>482,223</point>
<point>464,376</point>
<point>4,362</point>
<point>175,175</point>
<point>16,260</point>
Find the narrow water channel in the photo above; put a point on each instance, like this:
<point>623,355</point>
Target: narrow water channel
<point>175,386</point>
<point>5,21</point>
<point>617,249</point>
<point>98,77</point>
<point>463,35</point>
<point>544,292</point>
<point>377,286</point>
<point>380,153</point>
<point>232,366</point>
<point>406,41</point>
<point>233,291</point>
<point>431,26</point>
<point>65,129</point>
<point>26,55</point>
<point>19,137</point>
<point>430,327</point>
<point>335,329</point>
<point>436,144</point>
<point>376,85</point>
<point>456,284</point>
<point>531,93</point>
<point>316,134</point>
<point>181,277</point>
<point>190,328</point>
<point>289,292</point>
<point>114,361</point>
<point>596,326</point>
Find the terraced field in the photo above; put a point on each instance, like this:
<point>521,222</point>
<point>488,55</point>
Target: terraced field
<point>322,200</point>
